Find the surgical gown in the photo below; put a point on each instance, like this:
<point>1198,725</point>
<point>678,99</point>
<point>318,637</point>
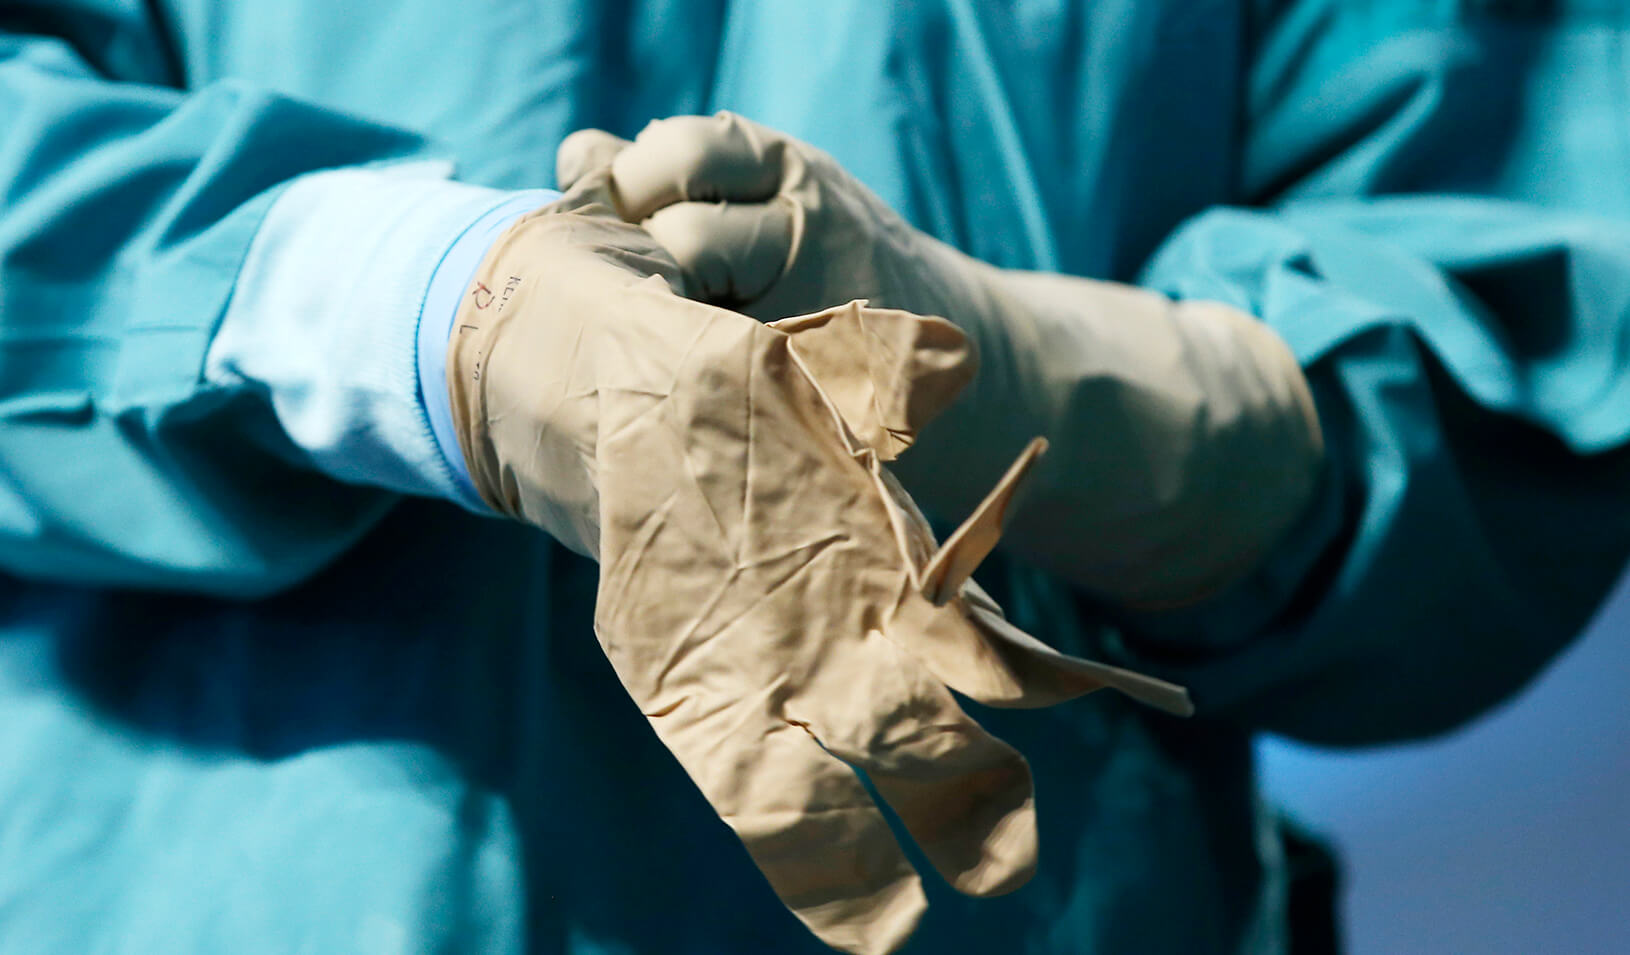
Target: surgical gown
<point>247,708</point>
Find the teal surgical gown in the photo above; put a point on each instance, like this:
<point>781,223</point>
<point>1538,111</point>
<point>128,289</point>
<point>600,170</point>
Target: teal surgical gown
<point>248,708</point>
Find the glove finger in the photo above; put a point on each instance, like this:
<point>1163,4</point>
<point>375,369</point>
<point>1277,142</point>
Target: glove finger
<point>698,158</point>
<point>815,834</point>
<point>595,226</point>
<point>968,801</point>
<point>1046,676</point>
<point>584,151</point>
<point>965,796</point>
<point>964,639</point>
<point>888,372</point>
<point>950,640</point>
<point>730,253</point>
<point>972,648</point>
<point>976,537</point>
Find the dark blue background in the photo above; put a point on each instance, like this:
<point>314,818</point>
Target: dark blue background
<point>1511,836</point>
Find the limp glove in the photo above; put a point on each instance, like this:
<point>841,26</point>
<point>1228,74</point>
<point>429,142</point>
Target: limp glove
<point>769,596</point>
<point>1185,437</point>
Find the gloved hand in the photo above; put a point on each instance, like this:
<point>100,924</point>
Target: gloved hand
<point>768,596</point>
<point>1185,437</point>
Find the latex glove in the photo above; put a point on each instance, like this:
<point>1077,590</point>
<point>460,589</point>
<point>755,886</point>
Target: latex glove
<point>768,596</point>
<point>1185,438</point>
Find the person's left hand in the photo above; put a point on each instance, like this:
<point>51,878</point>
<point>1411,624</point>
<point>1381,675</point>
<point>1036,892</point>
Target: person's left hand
<point>1185,439</point>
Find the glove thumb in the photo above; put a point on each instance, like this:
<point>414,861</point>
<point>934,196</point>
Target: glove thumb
<point>583,152</point>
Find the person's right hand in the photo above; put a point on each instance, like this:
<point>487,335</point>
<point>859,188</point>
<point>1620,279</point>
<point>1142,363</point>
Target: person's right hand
<point>769,597</point>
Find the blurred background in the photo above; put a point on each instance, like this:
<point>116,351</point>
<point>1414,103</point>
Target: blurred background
<point>1510,836</point>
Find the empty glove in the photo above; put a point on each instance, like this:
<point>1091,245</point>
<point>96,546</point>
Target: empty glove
<point>1185,440</point>
<point>769,596</point>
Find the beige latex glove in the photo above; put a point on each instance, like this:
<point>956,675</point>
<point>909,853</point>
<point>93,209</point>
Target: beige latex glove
<point>1185,440</point>
<point>769,597</point>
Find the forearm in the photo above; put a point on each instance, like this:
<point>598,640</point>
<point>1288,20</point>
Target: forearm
<point>1472,516</point>
<point>1184,439</point>
<point>129,211</point>
<point>220,392</point>
<point>341,316</point>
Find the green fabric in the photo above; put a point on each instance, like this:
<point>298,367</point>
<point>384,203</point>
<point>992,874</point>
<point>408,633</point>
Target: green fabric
<point>330,736</point>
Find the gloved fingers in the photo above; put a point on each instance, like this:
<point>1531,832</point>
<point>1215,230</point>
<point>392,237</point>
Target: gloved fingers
<point>817,836</point>
<point>583,152</point>
<point>949,640</point>
<point>888,372</point>
<point>698,158</point>
<point>965,796</point>
<point>972,648</point>
<point>969,645</point>
<point>1046,676</point>
<point>961,655</point>
<point>585,218</point>
<point>592,188</point>
<point>591,192</point>
<point>944,639</point>
<point>975,820</point>
<point>729,252</point>
<point>976,537</point>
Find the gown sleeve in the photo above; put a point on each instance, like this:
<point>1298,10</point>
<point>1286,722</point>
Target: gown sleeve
<point>1470,359</point>
<point>126,209</point>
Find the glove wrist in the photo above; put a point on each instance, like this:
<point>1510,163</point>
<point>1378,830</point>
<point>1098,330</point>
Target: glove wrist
<point>500,321</point>
<point>452,285</point>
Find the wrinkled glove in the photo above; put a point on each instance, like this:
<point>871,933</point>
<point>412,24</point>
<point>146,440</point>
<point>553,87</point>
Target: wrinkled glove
<point>1185,437</point>
<point>769,596</point>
